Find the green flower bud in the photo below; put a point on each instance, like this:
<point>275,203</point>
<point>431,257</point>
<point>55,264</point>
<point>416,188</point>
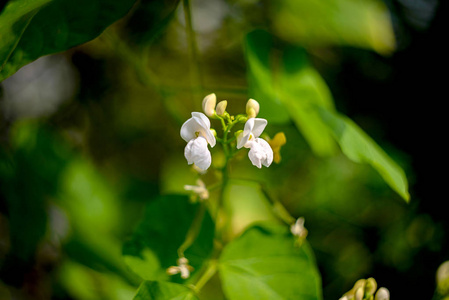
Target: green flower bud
<point>370,286</point>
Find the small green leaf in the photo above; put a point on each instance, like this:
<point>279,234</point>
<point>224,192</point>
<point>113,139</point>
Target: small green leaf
<point>153,246</point>
<point>263,263</point>
<point>30,29</point>
<point>154,290</point>
<point>360,148</point>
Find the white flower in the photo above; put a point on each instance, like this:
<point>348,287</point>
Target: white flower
<point>182,267</point>
<point>199,189</point>
<point>197,133</point>
<point>298,228</point>
<point>260,151</point>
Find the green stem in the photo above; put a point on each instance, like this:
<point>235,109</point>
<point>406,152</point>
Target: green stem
<point>278,208</point>
<point>193,230</point>
<point>144,74</point>
<point>230,140</point>
<point>194,61</point>
<point>214,186</point>
<point>207,275</point>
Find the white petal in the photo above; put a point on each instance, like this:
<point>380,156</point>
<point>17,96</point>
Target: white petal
<point>239,140</point>
<point>194,188</point>
<point>189,128</point>
<point>185,272</point>
<point>259,126</point>
<point>204,130</point>
<point>188,151</point>
<point>197,152</point>
<point>173,270</point>
<point>201,119</point>
<point>209,104</point>
<point>267,150</point>
<point>260,153</point>
<point>255,158</point>
<point>298,228</point>
<point>382,294</point>
<point>244,137</point>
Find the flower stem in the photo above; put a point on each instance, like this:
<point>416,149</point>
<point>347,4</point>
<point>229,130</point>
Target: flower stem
<point>278,208</point>
<point>194,61</point>
<point>207,275</point>
<point>193,230</point>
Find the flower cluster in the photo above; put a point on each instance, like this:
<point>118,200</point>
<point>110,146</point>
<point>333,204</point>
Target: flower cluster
<point>198,134</point>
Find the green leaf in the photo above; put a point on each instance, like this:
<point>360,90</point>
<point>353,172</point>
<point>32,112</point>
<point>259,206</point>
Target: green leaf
<point>304,88</point>
<point>154,290</point>
<point>263,263</point>
<point>360,148</point>
<point>31,29</point>
<point>153,246</point>
<point>29,175</point>
<point>362,23</point>
<point>149,19</point>
<point>244,204</point>
<point>261,79</point>
<point>309,104</point>
<point>288,87</point>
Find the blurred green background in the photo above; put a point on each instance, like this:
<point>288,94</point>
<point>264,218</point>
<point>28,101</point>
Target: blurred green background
<point>90,135</point>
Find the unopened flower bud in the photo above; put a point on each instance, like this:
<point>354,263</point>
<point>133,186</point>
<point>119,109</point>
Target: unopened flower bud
<point>221,107</point>
<point>209,104</point>
<point>371,286</point>
<point>359,293</point>
<point>443,278</point>
<point>252,108</point>
<point>382,294</point>
<point>183,261</point>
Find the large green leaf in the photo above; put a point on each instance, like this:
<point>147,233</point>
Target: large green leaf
<point>154,290</point>
<point>30,29</point>
<point>303,89</point>
<point>288,87</point>
<point>244,204</point>
<point>29,175</point>
<point>359,147</point>
<point>361,23</point>
<point>261,78</point>
<point>153,247</point>
<point>309,104</point>
<point>264,263</point>
<point>149,19</point>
